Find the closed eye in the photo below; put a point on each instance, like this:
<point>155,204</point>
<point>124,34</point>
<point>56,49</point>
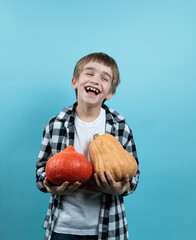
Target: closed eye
<point>105,79</point>
<point>89,74</point>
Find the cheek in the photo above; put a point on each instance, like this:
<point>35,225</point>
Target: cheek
<point>107,88</point>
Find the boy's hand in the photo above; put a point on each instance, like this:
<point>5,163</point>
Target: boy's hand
<point>107,184</point>
<point>62,189</point>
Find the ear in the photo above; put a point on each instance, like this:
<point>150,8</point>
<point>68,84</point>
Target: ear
<point>73,83</point>
<point>109,95</point>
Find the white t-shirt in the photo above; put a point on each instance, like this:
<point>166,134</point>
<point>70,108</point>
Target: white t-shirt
<point>79,211</point>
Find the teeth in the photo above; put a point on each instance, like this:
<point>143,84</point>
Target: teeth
<point>93,89</point>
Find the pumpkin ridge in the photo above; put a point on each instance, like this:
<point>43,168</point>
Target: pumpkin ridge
<point>109,164</point>
<point>96,162</point>
<point>116,152</point>
<point>100,159</point>
<point>118,145</point>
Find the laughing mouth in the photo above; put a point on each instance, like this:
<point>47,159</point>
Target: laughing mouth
<point>92,90</point>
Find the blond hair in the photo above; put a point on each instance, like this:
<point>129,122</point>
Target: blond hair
<point>99,58</point>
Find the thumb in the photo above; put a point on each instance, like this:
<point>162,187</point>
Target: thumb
<point>125,180</point>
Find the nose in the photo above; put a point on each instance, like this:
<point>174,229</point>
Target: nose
<point>95,80</point>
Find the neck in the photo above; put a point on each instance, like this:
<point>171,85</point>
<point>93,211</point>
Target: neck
<point>87,113</point>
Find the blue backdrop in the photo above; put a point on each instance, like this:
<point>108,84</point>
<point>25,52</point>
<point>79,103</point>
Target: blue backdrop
<point>153,43</point>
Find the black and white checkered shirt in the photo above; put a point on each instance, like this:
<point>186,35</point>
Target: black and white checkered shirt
<point>58,134</point>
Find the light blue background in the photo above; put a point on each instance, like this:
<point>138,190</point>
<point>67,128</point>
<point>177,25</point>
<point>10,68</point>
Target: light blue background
<point>153,43</point>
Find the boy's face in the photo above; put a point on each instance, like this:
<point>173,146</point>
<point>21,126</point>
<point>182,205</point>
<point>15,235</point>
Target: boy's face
<point>94,84</point>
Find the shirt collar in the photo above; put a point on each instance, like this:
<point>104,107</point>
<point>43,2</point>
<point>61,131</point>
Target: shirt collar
<point>67,115</point>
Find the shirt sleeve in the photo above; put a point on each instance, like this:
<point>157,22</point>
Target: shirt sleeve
<point>125,136</point>
<point>44,155</point>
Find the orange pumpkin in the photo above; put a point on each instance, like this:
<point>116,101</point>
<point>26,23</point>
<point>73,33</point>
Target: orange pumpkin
<point>107,153</point>
<point>68,165</point>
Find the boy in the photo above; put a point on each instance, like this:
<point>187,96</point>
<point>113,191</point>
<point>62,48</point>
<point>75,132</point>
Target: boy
<point>95,210</point>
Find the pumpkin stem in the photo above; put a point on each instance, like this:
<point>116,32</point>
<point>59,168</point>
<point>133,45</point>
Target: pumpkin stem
<point>95,136</point>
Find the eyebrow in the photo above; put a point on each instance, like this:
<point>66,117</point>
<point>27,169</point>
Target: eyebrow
<point>92,68</point>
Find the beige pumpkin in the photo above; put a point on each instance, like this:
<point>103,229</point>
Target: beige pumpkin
<point>107,153</point>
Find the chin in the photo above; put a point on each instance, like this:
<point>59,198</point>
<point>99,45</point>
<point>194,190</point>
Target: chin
<point>93,103</point>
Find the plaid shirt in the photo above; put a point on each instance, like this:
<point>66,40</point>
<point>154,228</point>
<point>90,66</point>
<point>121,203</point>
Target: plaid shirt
<point>58,134</point>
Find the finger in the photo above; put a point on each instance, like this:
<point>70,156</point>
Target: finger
<point>53,188</point>
<point>109,177</point>
<point>125,180</point>
<point>61,188</point>
<point>102,179</point>
<point>75,186</point>
<point>47,185</point>
<point>47,182</point>
<point>64,185</point>
<point>72,187</point>
<point>97,181</point>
